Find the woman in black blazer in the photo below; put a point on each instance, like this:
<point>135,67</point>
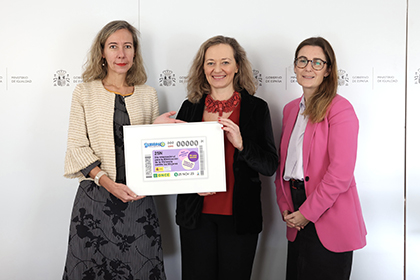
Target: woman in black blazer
<point>219,231</point>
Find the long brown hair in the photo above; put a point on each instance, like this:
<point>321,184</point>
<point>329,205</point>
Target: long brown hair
<point>95,66</point>
<point>197,81</point>
<point>318,103</point>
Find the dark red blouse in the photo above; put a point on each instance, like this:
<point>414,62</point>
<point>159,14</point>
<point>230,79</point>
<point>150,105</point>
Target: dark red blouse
<point>221,202</point>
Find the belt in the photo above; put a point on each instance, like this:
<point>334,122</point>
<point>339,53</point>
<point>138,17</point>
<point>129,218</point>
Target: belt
<point>297,184</point>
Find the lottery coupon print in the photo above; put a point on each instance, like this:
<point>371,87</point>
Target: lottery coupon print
<point>174,159</point>
<point>162,159</point>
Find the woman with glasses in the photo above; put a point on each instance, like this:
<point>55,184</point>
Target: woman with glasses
<point>316,189</point>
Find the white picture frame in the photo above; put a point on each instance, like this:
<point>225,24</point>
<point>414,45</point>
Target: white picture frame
<point>163,159</point>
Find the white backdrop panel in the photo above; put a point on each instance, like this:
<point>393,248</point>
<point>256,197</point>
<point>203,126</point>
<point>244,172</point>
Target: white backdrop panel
<point>371,76</point>
<point>39,38</point>
<point>413,140</point>
<point>43,37</point>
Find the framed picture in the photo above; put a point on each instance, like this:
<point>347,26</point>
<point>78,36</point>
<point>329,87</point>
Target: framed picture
<point>175,158</point>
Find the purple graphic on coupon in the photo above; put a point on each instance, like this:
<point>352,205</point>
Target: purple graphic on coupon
<point>175,160</point>
<point>183,154</point>
<point>193,156</point>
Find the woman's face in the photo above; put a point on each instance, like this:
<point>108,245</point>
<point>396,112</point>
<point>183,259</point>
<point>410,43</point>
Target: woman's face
<point>307,77</point>
<point>119,52</point>
<point>220,67</point>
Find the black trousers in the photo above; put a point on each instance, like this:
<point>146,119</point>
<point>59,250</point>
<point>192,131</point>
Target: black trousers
<point>307,258</point>
<point>214,251</point>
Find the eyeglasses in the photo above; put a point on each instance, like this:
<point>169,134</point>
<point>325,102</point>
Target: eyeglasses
<point>316,63</point>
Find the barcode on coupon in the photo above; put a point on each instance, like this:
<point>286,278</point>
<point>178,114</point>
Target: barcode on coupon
<point>148,166</point>
<point>202,167</point>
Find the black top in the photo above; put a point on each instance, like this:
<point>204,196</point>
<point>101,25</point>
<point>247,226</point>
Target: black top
<point>121,118</point>
<point>258,156</point>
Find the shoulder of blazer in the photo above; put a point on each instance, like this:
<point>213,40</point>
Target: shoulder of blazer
<point>252,100</point>
<point>340,101</point>
<point>95,85</point>
<point>191,112</point>
<point>292,104</point>
<point>290,111</point>
<point>250,104</point>
<point>145,90</point>
<point>91,92</point>
<point>87,87</point>
<point>338,104</point>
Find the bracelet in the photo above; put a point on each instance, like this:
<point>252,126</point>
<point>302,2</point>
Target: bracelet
<point>98,176</point>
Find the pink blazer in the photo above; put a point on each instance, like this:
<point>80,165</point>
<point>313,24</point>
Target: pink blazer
<point>329,157</point>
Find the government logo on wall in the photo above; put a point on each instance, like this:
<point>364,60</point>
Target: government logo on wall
<point>417,77</point>
<point>343,78</point>
<point>257,77</point>
<point>167,78</point>
<point>61,78</point>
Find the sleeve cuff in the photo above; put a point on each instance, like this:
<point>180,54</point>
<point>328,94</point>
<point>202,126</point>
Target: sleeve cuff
<point>87,170</point>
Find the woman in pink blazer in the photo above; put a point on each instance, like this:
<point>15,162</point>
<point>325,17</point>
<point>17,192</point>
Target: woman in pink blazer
<point>315,185</point>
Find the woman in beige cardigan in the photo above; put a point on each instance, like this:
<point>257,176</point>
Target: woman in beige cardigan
<point>109,237</point>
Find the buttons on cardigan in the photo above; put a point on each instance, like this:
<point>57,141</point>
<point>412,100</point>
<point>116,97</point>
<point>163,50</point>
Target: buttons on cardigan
<point>307,178</point>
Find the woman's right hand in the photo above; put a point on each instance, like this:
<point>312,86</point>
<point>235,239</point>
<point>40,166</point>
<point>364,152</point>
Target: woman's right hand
<point>295,220</point>
<point>288,223</point>
<point>166,118</point>
<point>285,213</point>
<point>120,191</point>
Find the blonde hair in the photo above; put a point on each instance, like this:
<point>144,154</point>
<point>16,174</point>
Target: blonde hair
<point>197,81</point>
<point>318,103</point>
<point>94,68</point>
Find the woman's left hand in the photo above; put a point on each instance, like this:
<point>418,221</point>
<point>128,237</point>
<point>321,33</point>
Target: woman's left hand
<point>166,118</point>
<point>297,220</point>
<point>206,193</point>
<point>233,133</point>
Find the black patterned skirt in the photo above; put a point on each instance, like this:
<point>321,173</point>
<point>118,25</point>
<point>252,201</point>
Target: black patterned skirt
<point>110,239</point>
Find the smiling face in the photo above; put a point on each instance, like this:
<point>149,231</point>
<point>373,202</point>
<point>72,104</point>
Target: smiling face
<point>220,67</point>
<point>307,77</point>
<point>119,52</point>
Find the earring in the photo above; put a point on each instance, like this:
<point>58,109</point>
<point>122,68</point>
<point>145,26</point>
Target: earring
<point>103,62</point>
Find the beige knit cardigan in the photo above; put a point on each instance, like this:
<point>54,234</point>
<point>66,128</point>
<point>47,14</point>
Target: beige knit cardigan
<point>91,125</point>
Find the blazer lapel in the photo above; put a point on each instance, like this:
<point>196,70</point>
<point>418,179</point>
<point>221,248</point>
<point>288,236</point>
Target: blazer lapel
<point>197,115</point>
<point>247,107</point>
<point>307,142</point>
<point>288,128</point>
<point>289,124</point>
<point>287,133</point>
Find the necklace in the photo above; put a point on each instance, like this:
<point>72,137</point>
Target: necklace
<point>123,95</point>
<point>222,106</point>
<point>107,84</point>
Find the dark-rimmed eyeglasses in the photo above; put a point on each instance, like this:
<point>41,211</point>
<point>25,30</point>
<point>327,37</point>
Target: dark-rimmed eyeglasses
<point>316,63</point>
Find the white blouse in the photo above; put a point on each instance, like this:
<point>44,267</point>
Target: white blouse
<point>294,160</point>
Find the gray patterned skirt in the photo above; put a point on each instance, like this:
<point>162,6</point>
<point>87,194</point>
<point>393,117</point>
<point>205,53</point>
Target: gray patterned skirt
<point>110,239</point>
